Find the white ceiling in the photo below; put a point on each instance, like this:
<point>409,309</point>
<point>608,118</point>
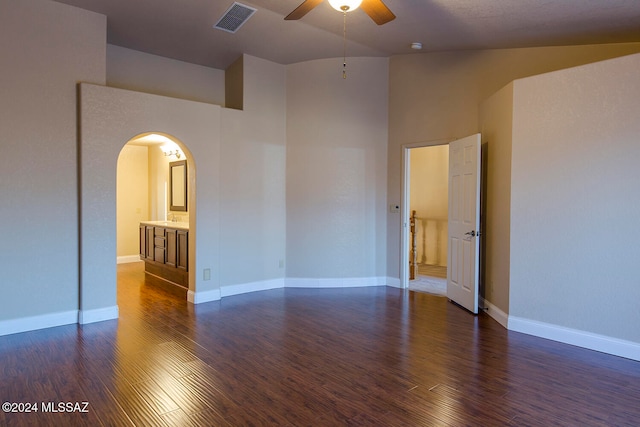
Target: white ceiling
<point>183,29</point>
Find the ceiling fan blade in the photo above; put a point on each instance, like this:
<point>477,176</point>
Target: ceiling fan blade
<point>303,9</point>
<point>377,11</point>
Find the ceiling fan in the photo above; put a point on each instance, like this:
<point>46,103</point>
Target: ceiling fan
<point>376,9</point>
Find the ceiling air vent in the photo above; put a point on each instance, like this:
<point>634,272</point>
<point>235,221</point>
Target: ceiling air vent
<point>234,17</point>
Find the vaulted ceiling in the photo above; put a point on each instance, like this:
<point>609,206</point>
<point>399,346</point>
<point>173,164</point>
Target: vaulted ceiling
<point>183,29</point>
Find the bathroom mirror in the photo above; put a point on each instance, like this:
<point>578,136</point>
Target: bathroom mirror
<point>178,185</point>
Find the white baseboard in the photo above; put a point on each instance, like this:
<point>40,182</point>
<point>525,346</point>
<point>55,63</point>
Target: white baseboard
<point>591,341</point>
<point>97,315</point>
<point>349,282</point>
<point>493,311</point>
<point>243,288</point>
<point>394,282</point>
<point>203,296</point>
<point>32,323</point>
<point>128,258</point>
<point>602,343</point>
<point>264,285</point>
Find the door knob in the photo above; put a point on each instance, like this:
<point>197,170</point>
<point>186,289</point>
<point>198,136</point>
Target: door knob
<point>471,233</point>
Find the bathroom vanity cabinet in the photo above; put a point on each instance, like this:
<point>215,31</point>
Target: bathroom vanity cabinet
<point>164,248</point>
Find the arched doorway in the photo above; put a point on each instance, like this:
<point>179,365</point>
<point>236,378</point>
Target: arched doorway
<point>109,118</point>
<point>147,193</point>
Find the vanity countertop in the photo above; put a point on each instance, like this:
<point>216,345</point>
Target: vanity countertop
<point>169,224</point>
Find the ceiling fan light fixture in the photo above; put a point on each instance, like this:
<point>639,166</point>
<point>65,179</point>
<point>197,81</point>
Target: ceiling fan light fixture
<point>345,5</point>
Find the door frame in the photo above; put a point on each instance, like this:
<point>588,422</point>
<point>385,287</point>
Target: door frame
<point>405,202</point>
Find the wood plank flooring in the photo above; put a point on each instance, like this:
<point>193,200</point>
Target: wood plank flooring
<point>308,357</point>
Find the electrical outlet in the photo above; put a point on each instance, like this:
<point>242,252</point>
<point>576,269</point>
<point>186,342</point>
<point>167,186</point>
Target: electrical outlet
<point>206,274</point>
<point>281,263</point>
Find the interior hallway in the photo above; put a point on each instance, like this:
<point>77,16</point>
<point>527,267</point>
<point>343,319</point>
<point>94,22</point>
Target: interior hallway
<point>431,279</point>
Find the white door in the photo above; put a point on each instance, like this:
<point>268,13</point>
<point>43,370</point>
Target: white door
<point>464,222</point>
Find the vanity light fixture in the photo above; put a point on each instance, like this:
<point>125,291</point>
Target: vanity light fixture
<point>171,150</point>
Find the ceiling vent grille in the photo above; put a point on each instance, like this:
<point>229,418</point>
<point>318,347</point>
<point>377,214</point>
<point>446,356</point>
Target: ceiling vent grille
<point>234,17</point>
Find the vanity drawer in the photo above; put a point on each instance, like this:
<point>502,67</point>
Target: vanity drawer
<point>158,255</point>
<point>159,245</point>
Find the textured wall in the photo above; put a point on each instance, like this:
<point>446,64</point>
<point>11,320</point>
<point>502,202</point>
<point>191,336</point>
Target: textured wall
<point>576,200</point>
<point>496,114</point>
<point>252,175</point>
<point>109,118</point>
<point>46,48</point>
<point>143,72</point>
<point>336,169</point>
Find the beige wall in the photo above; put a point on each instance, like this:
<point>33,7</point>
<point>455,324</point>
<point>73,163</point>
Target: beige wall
<point>132,203</point>
<point>46,48</point>
<point>234,84</point>
<point>496,126</point>
<point>336,169</point>
<point>252,178</point>
<point>429,196</point>
<point>109,118</point>
<point>143,72</point>
<point>575,199</point>
<point>158,166</point>
<point>435,96</point>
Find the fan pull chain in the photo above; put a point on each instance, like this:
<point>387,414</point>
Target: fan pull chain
<point>344,41</point>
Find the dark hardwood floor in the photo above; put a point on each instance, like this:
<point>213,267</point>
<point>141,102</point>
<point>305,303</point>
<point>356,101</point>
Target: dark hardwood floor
<point>308,357</point>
